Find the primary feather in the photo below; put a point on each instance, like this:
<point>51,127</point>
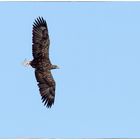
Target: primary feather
<point>41,61</point>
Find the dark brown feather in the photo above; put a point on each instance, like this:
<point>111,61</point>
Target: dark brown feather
<point>41,61</point>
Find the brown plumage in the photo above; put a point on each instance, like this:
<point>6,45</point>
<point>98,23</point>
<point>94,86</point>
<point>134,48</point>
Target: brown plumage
<point>41,61</point>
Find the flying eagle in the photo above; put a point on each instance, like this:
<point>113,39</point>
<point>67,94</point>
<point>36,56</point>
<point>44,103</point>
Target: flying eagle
<point>41,62</point>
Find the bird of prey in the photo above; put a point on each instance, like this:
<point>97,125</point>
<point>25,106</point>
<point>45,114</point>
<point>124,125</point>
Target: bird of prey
<point>41,62</point>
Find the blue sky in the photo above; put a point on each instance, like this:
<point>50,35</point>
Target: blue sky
<point>97,47</point>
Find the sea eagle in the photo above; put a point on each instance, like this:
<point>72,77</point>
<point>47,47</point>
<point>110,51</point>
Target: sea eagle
<point>41,62</point>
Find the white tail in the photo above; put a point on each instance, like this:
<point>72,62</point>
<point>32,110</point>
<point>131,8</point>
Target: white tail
<point>26,63</point>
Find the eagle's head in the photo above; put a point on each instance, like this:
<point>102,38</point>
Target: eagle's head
<point>54,67</point>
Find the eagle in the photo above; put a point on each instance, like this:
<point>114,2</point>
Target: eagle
<point>41,62</point>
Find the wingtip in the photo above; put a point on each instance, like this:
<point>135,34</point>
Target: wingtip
<point>39,21</point>
<point>47,101</point>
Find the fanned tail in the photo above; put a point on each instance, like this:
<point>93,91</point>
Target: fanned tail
<point>26,63</point>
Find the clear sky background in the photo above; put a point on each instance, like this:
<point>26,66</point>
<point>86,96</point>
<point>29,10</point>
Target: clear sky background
<point>97,47</point>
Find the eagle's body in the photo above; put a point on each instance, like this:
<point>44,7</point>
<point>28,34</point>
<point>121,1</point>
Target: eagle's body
<point>41,61</point>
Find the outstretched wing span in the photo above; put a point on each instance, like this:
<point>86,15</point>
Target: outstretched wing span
<point>41,61</point>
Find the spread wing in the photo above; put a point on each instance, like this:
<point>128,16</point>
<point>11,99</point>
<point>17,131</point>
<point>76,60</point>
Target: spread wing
<point>41,42</point>
<point>41,61</point>
<point>46,85</point>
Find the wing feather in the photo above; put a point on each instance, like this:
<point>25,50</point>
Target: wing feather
<point>46,86</point>
<point>40,37</point>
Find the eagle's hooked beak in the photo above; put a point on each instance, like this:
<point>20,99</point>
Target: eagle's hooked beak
<point>57,67</point>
